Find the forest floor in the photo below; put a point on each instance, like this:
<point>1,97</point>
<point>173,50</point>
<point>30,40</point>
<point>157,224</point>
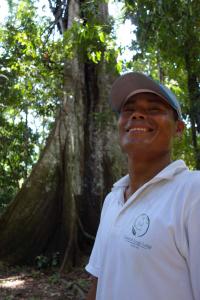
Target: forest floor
<point>34,284</point>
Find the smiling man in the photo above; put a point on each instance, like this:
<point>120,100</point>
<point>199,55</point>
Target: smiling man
<point>148,243</point>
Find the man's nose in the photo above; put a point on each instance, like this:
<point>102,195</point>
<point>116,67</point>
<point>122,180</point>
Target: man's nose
<point>138,115</point>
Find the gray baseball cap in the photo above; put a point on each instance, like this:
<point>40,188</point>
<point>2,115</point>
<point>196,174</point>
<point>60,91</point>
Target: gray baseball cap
<point>134,83</point>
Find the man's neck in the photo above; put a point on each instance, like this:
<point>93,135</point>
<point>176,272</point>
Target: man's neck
<point>141,172</point>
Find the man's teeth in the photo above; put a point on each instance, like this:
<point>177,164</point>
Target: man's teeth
<point>138,130</point>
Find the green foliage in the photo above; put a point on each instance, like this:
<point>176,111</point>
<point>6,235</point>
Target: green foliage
<point>54,278</point>
<point>183,149</point>
<point>90,38</point>
<point>17,154</point>
<point>43,262</point>
<point>30,95</point>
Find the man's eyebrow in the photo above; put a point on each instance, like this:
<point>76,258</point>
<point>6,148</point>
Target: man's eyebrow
<point>151,101</point>
<point>156,101</point>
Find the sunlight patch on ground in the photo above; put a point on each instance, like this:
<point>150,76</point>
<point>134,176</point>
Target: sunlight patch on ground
<point>11,282</point>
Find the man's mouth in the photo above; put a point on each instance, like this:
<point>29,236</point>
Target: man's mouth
<point>139,130</point>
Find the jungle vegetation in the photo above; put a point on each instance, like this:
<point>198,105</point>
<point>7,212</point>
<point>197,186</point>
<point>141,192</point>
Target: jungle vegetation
<point>59,153</point>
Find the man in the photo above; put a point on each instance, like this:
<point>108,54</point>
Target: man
<point>148,242</point>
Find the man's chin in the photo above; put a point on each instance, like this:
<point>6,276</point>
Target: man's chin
<point>136,148</point>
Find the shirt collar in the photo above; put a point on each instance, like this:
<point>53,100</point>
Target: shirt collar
<point>167,173</point>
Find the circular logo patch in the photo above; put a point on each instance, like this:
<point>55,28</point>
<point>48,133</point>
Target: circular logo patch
<point>141,225</point>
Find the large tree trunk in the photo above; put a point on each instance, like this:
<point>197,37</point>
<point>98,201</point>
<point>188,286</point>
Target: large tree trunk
<point>58,207</point>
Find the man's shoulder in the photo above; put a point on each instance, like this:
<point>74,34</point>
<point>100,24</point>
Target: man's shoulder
<point>185,173</point>
<point>192,176</point>
<point>189,182</point>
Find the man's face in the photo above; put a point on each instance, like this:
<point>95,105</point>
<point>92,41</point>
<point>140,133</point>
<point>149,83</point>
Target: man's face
<point>147,125</point>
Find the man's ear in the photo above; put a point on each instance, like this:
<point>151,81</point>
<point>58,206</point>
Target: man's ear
<point>179,128</point>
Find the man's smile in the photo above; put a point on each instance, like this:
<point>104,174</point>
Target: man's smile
<point>138,128</point>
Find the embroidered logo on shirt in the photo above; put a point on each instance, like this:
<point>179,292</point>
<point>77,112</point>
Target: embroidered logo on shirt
<point>139,229</point>
<point>141,225</point>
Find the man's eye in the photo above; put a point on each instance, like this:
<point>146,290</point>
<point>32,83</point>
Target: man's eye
<point>127,110</point>
<point>155,109</point>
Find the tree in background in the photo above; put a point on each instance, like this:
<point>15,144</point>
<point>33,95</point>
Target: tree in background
<point>58,207</point>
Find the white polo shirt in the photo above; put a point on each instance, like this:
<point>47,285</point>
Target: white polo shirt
<point>148,248</point>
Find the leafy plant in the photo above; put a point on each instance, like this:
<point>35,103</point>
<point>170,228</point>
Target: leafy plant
<point>42,261</point>
<point>54,279</point>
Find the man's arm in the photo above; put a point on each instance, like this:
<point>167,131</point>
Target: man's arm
<point>193,239</point>
<point>92,291</point>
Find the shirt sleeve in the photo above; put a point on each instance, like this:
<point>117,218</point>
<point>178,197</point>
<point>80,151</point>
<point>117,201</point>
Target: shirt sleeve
<point>193,238</point>
<point>93,267</point>
<point>94,264</point>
